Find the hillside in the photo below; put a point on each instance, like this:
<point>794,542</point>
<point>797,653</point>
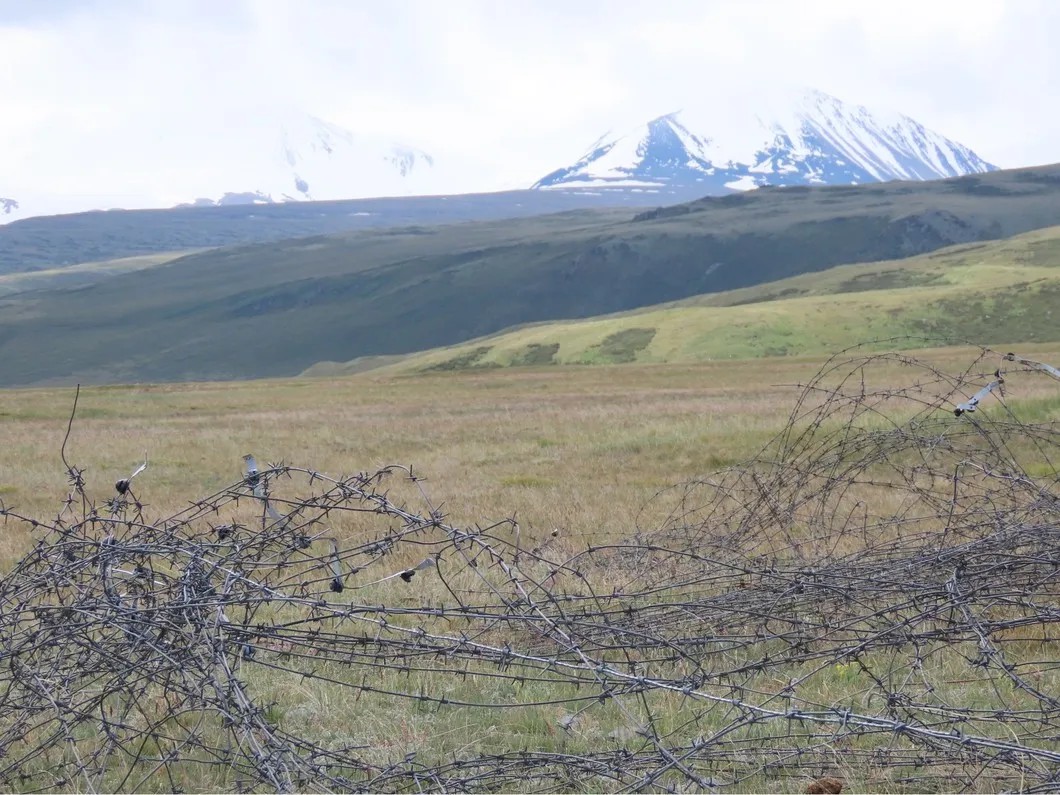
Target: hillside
<point>62,240</point>
<point>1006,292</point>
<point>276,309</point>
<point>79,275</point>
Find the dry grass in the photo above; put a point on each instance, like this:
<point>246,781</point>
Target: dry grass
<point>572,448</point>
<point>582,449</point>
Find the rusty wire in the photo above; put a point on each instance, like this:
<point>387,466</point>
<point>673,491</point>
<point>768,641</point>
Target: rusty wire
<point>876,596</point>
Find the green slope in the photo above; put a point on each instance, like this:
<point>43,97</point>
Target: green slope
<point>993,293</point>
<point>81,275</point>
<point>270,310</point>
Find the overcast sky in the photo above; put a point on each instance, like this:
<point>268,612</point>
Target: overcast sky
<point>118,90</point>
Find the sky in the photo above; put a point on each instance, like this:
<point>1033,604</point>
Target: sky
<point>138,102</point>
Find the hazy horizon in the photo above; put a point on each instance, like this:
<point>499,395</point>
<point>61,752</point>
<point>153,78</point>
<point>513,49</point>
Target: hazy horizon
<point>129,103</point>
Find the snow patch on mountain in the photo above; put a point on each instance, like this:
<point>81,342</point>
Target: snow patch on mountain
<point>257,156</point>
<point>807,137</point>
<point>311,159</point>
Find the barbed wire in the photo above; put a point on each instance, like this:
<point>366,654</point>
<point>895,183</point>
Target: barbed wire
<point>873,597</point>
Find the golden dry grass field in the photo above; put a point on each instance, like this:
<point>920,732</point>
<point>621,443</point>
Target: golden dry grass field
<point>579,448</point>
<point>582,449</point>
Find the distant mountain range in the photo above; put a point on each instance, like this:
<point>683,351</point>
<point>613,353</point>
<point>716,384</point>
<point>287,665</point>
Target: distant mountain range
<point>805,138</point>
<point>711,147</point>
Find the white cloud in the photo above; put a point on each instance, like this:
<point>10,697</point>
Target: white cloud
<point>137,98</point>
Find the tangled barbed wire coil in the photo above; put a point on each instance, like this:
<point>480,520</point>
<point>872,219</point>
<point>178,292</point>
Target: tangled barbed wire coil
<point>874,598</point>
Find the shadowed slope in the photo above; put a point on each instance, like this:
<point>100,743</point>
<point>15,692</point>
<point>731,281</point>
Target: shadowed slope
<point>276,309</point>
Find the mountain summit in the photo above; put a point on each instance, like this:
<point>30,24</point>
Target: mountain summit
<point>309,159</point>
<point>259,156</point>
<point>808,138</point>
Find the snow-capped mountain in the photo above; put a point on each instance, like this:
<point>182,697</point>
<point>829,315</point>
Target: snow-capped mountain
<point>282,154</point>
<point>805,138</point>
<point>258,156</point>
<point>310,159</point>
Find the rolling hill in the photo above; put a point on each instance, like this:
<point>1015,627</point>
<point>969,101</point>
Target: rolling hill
<point>58,241</point>
<point>1005,292</point>
<point>275,309</point>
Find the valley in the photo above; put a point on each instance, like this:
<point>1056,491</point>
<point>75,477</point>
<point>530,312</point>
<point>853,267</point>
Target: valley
<point>277,309</point>
<point>568,547</point>
<point>419,397</point>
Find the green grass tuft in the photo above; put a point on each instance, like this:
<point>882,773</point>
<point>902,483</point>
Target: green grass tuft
<point>535,354</point>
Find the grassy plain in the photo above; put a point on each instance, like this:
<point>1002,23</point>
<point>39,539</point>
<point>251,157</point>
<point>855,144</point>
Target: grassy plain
<point>581,449</point>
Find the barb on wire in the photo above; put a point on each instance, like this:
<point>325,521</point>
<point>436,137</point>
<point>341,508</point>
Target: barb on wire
<point>123,484</point>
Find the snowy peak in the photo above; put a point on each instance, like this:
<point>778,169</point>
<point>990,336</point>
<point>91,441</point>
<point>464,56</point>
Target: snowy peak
<point>808,138</point>
<point>670,145</point>
<point>662,150</point>
<point>883,146</point>
<point>311,159</point>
